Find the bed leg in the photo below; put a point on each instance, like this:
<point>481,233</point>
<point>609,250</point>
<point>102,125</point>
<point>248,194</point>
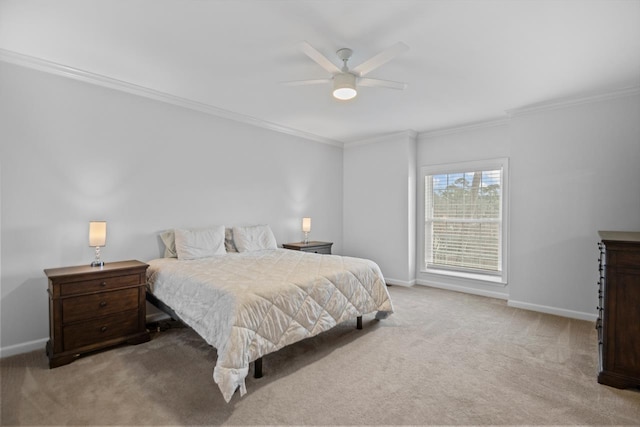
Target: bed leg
<point>257,368</point>
<point>359,322</point>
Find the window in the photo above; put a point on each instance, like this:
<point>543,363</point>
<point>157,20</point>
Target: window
<point>464,218</point>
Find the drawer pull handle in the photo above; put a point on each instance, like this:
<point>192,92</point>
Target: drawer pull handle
<point>103,303</point>
<point>103,284</point>
<point>103,329</point>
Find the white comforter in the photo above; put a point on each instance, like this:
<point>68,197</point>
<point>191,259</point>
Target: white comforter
<point>251,304</point>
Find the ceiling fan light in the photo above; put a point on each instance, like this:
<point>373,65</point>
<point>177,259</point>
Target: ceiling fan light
<point>344,86</point>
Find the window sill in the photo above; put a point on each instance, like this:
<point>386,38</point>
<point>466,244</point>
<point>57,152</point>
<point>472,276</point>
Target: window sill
<point>485,278</point>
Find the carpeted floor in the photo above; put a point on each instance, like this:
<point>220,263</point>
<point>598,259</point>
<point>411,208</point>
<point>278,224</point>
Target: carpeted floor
<point>442,358</point>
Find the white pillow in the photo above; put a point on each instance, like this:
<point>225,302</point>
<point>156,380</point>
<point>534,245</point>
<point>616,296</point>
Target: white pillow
<point>200,243</point>
<point>254,238</point>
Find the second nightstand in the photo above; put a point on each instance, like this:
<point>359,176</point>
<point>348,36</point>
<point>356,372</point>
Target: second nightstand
<point>315,247</point>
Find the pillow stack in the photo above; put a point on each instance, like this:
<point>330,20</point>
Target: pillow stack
<point>195,243</point>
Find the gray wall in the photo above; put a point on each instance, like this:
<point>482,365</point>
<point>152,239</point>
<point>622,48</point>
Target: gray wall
<point>72,152</point>
<point>573,171</point>
<point>379,204</point>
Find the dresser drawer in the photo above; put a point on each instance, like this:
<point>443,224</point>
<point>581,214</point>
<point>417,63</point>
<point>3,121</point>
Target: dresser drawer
<point>99,330</point>
<point>624,259</point>
<point>96,285</point>
<point>95,305</point>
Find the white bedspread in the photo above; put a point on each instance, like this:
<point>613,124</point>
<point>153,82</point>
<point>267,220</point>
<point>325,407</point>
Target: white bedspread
<point>251,304</point>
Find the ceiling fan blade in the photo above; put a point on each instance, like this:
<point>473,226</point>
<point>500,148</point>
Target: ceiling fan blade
<point>319,58</point>
<point>380,59</point>
<point>365,81</point>
<point>305,82</point>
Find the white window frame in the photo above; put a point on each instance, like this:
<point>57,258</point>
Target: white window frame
<point>489,164</point>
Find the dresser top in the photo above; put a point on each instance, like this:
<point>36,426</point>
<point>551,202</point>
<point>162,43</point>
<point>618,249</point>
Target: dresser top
<point>621,236</point>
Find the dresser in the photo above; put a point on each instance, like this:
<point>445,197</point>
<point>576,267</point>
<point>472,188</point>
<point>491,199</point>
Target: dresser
<point>91,308</point>
<point>315,247</point>
<point>618,321</point>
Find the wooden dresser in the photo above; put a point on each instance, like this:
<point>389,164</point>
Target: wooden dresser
<point>618,321</point>
<point>315,247</point>
<point>91,308</point>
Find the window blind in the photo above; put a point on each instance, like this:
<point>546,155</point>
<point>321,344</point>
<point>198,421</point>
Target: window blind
<point>463,221</point>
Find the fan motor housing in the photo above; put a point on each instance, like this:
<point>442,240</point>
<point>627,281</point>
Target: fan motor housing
<point>344,86</point>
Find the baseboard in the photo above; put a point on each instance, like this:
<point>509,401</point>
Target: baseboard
<point>511,303</point>
<point>26,347</point>
<point>563,312</point>
<point>391,281</point>
<point>464,289</point>
<point>40,344</point>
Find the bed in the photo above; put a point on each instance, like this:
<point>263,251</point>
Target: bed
<point>251,298</point>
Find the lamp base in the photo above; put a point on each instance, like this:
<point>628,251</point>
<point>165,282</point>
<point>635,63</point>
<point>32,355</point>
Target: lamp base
<point>97,262</point>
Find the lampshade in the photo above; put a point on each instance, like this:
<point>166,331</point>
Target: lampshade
<point>97,233</point>
<point>306,225</point>
<point>344,86</point>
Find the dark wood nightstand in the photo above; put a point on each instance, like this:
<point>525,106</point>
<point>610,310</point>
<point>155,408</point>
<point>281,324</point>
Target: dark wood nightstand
<point>91,308</point>
<point>315,247</point>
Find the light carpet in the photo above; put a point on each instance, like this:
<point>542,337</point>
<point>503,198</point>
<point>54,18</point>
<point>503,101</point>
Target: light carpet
<point>443,358</point>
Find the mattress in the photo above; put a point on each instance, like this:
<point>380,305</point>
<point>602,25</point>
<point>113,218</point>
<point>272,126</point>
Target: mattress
<point>247,305</point>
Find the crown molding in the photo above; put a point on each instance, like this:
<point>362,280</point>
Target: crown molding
<point>467,127</point>
<point>409,134</point>
<point>574,101</point>
<point>543,106</point>
<point>123,86</point>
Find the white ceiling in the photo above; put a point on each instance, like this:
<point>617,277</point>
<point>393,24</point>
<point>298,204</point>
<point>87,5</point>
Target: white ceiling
<point>468,61</point>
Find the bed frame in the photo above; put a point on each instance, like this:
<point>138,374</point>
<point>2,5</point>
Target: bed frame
<point>257,364</point>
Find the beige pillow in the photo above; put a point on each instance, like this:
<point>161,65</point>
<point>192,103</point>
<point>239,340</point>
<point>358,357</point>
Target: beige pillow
<point>229,245</point>
<point>169,240</point>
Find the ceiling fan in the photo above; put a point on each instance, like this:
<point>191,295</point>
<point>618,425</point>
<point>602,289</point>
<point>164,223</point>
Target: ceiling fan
<point>346,80</point>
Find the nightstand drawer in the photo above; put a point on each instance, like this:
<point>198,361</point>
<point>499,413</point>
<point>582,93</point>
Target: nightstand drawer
<point>97,331</point>
<point>96,305</point>
<point>98,285</point>
<point>318,250</point>
<point>312,247</point>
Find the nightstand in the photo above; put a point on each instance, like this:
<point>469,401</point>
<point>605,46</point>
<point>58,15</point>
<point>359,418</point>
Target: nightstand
<point>315,247</point>
<point>91,308</point>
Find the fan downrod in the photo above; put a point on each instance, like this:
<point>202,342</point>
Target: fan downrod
<point>344,54</point>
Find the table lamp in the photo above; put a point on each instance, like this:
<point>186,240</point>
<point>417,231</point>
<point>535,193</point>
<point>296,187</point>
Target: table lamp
<point>97,238</point>
<point>306,228</point>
